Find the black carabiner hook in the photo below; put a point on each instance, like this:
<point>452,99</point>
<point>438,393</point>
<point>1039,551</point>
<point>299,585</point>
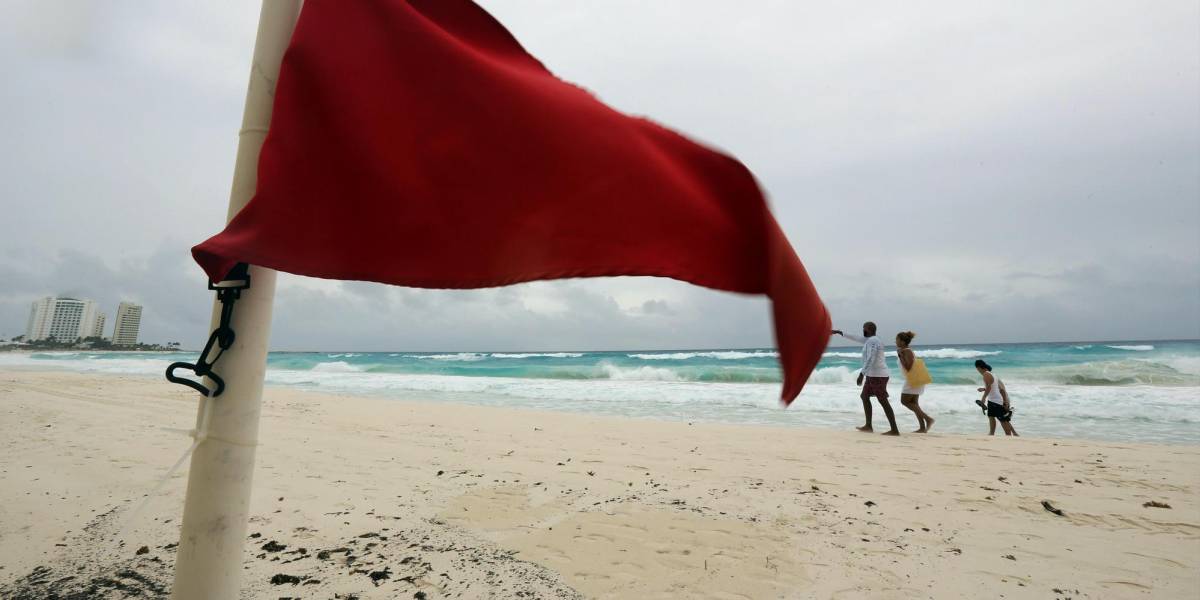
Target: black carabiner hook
<point>221,338</point>
<point>228,292</point>
<point>196,385</point>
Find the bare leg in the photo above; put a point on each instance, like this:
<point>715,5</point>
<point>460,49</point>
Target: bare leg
<point>924,415</point>
<point>1009,430</point>
<point>991,425</point>
<point>867,409</point>
<point>923,421</point>
<point>891,417</point>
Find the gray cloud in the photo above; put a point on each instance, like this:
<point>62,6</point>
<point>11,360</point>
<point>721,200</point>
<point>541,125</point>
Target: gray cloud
<point>973,170</point>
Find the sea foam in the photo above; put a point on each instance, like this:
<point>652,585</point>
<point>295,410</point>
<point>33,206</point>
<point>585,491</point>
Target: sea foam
<point>638,373</point>
<point>337,366</point>
<point>456,357</point>
<point>954,353</point>
<point>719,355</point>
<point>1149,394</point>
<point>536,354</point>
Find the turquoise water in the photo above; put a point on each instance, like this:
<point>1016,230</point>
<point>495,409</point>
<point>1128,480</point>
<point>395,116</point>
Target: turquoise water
<point>1135,391</point>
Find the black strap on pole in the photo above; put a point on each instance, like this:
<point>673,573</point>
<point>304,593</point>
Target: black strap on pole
<point>228,292</point>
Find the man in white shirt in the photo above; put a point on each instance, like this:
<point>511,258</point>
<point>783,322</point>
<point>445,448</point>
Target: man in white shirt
<point>875,372</point>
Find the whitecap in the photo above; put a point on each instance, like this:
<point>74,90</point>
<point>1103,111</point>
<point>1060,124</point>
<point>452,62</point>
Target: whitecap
<point>954,353</point>
<point>119,363</point>
<point>537,355</point>
<point>670,356</point>
<point>1132,348</point>
<point>1114,373</point>
<point>1184,364</point>
<point>639,373</point>
<point>831,375</point>
<point>717,354</point>
<point>459,356</point>
<point>337,366</point>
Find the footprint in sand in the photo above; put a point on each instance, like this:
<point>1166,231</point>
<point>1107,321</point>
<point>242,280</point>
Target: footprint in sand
<point>1159,559</point>
<point>1125,585</point>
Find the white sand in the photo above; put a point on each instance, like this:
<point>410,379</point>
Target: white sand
<point>562,505</point>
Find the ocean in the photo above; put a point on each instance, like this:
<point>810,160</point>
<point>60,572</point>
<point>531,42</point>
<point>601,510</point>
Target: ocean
<point>1143,391</point>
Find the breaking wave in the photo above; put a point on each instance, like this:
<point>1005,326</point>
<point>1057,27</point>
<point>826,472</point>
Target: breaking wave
<point>478,356</point>
<point>1112,373</point>
<point>638,373</point>
<point>536,355</point>
<point>954,353</point>
<point>456,357</point>
<point>337,366</point>
<point>719,355</point>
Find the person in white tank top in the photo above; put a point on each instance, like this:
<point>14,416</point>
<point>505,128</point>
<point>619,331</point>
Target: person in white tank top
<point>910,395</point>
<point>995,400</point>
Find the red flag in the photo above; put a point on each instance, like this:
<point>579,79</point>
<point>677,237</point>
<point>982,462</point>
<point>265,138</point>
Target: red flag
<point>418,144</point>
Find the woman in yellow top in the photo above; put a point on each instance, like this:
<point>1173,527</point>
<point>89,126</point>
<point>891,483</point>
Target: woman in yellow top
<point>915,379</point>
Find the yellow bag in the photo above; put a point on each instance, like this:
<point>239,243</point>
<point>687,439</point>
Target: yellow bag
<point>918,374</point>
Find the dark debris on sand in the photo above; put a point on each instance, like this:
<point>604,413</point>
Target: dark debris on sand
<point>86,570</point>
<point>281,579</point>
<point>433,559</point>
<point>430,560</point>
<point>1052,509</point>
<point>379,576</point>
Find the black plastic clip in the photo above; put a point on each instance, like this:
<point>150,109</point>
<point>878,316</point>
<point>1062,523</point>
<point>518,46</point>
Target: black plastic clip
<point>228,291</point>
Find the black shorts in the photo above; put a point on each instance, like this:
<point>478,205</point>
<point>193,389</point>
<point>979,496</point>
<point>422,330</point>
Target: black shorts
<point>998,411</point>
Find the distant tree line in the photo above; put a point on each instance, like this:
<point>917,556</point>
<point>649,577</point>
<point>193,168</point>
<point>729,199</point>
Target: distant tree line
<point>87,343</point>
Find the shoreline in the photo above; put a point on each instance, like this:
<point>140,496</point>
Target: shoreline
<point>465,401</point>
<point>828,407</point>
<point>488,502</point>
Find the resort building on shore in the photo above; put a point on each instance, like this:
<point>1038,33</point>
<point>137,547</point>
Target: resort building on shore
<point>98,326</point>
<point>125,326</point>
<point>64,319</point>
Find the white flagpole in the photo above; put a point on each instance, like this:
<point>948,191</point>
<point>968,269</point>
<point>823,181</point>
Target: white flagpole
<point>208,563</point>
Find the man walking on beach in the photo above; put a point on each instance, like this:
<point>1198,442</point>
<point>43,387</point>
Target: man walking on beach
<point>875,372</point>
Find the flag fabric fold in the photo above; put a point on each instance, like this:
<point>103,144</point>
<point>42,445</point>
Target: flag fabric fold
<point>416,143</point>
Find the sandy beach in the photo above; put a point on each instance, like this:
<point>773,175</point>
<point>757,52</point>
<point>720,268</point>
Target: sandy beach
<point>373,498</point>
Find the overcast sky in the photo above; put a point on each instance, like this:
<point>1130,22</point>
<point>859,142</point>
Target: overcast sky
<point>974,171</point>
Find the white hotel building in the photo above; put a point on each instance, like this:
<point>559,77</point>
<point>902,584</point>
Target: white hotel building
<point>97,329</point>
<point>125,326</point>
<point>64,319</point>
